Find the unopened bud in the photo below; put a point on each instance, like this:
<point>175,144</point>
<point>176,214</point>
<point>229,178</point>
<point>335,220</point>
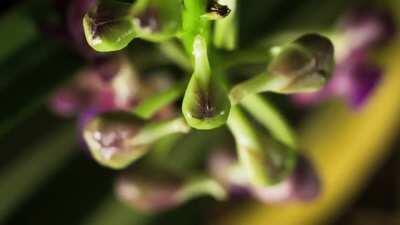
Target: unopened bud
<point>206,104</point>
<point>109,26</point>
<point>304,65</point>
<point>302,185</point>
<point>146,194</point>
<point>116,139</point>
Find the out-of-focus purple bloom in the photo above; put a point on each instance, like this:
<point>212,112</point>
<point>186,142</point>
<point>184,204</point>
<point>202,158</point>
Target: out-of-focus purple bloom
<point>354,82</point>
<point>355,77</point>
<point>223,166</point>
<point>146,194</point>
<point>302,185</point>
<point>109,86</point>
<point>364,28</point>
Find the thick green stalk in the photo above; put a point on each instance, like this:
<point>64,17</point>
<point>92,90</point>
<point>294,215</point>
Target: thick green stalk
<point>257,84</point>
<point>193,23</point>
<point>176,54</point>
<point>154,131</point>
<point>250,148</point>
<point>265,113</point>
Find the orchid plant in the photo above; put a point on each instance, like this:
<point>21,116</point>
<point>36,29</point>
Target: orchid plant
<point>124,118</point>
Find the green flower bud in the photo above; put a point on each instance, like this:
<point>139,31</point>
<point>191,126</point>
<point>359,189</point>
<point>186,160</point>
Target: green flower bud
<point>206,104</point>
<point>304,65</point>
<point>159,20</point>
<point>116,139</point>
<point>149,193</point>
<point>109,26</point>
<point>112,25</point>
<point>265,162</point>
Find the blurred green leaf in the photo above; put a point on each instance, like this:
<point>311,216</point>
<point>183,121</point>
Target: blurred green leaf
<point>23,176</point>
<point>16,30</point>
<point>33,84</point>
<point>112,212</point>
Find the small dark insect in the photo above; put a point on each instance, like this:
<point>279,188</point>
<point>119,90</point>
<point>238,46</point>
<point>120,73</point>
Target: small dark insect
<point>221,10</point>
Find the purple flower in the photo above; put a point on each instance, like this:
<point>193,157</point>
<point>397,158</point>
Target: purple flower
<point>223,166</point>
<point>110,85</point>
<point>354,80</point>
<point>366,27</point>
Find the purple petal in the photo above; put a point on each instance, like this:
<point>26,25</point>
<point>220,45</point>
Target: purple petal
<point>365,27</point>
<point>363,80</point>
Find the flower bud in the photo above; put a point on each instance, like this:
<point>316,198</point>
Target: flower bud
<point>155,194</point>
<point>108,26</point>
<point>109,139</point>
<point>304,65</point>
<point>302,185</point>
<point>112,25</point>
<point>206,104</point>
<point>264,162</point>
<point>116,139</point>
<point>146,194</point>
<point>159,20</point>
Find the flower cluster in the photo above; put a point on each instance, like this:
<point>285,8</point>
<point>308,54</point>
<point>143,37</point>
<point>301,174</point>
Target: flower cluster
<point>126,116</point>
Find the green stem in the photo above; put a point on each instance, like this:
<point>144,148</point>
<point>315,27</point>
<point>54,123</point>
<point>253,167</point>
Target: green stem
<point>193,22</point>
<point>154,131</point>
<point>250,148</point>
<point>202,70</point>
<point>265,113</point>
<point>156,102</point>
<point>173,52</point>
<point>257,84</point>
<point>200,186</point>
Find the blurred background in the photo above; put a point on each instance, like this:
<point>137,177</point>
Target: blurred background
<point>46,177</point>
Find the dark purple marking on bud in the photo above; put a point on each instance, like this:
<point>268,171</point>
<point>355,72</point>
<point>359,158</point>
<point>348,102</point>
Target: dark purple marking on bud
<point>221,10</point>
<point>150,20</point>
<point>112,131</point>
<point>322,50</point>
